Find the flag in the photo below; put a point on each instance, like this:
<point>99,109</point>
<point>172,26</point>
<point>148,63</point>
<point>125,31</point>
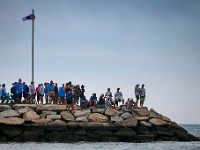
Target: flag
<point>29,17</point>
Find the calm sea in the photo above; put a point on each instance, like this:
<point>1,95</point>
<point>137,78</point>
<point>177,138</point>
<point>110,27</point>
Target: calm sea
<point>193,129</point>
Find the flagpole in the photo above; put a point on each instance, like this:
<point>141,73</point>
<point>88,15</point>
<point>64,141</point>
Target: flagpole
<point>33,46</point>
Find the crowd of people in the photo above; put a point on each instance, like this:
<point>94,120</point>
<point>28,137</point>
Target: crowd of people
<point>68,94</point>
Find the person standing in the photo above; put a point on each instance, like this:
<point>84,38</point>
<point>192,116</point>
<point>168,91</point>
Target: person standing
<point>32,91</point>
<point>137,93</point>
<point>25,90</point>
<point>0,91</point>
<point>51,92</point>
<point>3,93</point>
<point>142,95</point>
<point>41,93</point>
<point>55,100</point>
<point>118,97</point>
<point>19,89</point>
<point>61,94</point>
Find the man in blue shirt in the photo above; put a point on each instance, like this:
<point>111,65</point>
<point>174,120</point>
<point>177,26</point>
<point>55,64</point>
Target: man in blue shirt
<point>61,94</point>
<point>93,100</point>
<point>51,91</point>
<point>25,90</point>
<point>19,89</point>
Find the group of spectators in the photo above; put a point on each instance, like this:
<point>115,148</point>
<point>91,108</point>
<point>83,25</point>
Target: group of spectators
<point>67,94</point>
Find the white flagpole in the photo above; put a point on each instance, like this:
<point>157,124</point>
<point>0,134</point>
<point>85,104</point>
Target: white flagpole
<point>33,46</point>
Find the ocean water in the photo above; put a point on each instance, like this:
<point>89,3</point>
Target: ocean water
<point>193,129</point>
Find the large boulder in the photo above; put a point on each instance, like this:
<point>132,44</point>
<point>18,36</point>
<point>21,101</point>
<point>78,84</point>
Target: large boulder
<point>98,110</point>
<point>125,132</point>
<point>157,122</point>
<point>32,106</point>
<point>141,111</point>
<point>142,118</point>
<point>164,131</point>
<point>144,123</point>
<point>52,107</point>
<point>23,110</point>
<point>79,113</point>
<point>54,117</point>
<point>10,131</point>
<point>42,121</point>
<point>116,119</point>
<point>57,125</point>
<point>11,121</point>
<point>9,113</point>
<point>97,117</point>
<point>49,113</point>
<point>66,116</point>
<point>4,107</point>
<point>143,130</point>
<point>126,116</point>
<point>31,115</point>
<point>81,119</point>
<point>112,112</point>
<point>131,122</point>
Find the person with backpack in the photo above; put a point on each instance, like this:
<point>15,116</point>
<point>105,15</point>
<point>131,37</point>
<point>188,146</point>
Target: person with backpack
<point>69,100</point>
<point>3,93</point>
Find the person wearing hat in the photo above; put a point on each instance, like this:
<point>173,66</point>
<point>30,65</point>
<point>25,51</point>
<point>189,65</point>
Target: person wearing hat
<point>118,97</point>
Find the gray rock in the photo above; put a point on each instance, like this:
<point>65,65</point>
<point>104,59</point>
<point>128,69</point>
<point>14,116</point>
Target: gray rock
<point>4,107</point>
<point>31,115</point>
<point>126,132</point>
<point>11,121</point>
<point>126,116</point>
<point>112,112</point>
<point>67,116</point>
<point>81,119</point>
<point>141,111</point>
<point>47,112</point>
<point>97,117</point>
<point>22,111</point>
<point>116,119</point>
<point>131,122</point>
<point>157,122</point>
<point>10,131</point>
<point>52,107</point>
<point>57,125</point>
<point>79,113</point>
<point>54,117</point>
<point>9,113</point>
<point>146,124</point>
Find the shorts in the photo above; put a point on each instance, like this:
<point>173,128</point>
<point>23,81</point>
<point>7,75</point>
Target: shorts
<point>69,102</point>
<point>51,93</point>
<point>116,102</point>
<point>137,97</point>
<point>142,98</point>
<point>19,95</point>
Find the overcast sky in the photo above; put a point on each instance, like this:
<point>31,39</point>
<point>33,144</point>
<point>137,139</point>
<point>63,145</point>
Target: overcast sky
<point>109,43</point>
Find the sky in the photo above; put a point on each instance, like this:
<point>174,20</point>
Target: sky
<point>108,43</point>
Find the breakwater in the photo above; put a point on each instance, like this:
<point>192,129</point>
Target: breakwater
<point>46,123</point>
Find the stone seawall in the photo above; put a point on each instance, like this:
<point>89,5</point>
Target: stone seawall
<point>46,123</point>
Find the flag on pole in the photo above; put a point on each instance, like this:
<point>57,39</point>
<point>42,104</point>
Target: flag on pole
<point>29,17</point>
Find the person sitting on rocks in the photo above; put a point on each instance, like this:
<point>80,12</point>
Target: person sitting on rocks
<point>93,100</point>
<point>101,101</point>
<point>83,103</point>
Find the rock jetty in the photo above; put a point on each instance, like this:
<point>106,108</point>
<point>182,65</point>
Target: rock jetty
<point>46,123</point>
